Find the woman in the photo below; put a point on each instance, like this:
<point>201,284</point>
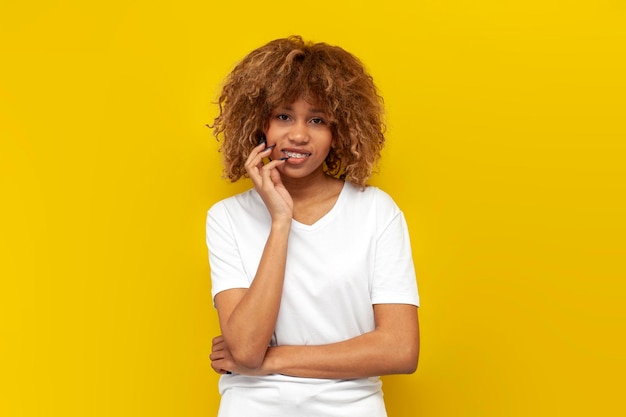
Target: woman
<point>312,273</point>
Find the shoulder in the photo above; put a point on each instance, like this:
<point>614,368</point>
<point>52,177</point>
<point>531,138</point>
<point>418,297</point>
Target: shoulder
<point>372,198</point>
<point>246,204</point>
<point>369,206</point>
<point>243,201</point>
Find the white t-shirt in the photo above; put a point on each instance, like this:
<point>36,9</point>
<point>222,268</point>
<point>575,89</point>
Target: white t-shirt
<point>357,255</point>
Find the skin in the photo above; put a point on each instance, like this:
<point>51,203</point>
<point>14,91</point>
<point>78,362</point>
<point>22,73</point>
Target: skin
<point>298,188</point>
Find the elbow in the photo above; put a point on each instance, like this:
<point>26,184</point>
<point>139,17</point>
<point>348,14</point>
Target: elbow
<point>409,365</point>
<point>408,360</point>
<point>405,364</point>
<point>248,358</point>
<point>250,363</point>
<point>411,355</point>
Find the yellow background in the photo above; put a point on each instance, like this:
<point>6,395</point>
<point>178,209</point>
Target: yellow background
<point>506,153</point>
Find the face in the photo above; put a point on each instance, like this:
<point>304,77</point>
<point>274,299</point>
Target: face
<point>302,133</point>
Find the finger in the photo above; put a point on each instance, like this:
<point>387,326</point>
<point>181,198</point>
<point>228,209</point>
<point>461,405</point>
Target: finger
<point>218,365</point>
<point>219,347</point>
<point>269,173</point>
<point>257,154</point>
<point>275,176</point>
<point>254,163</point>
<point>254,152</point>
<point>265,153</point>
<point>272,164</point>
<point>218,369</point>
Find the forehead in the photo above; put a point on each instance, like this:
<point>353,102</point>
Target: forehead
<point>301,105</point>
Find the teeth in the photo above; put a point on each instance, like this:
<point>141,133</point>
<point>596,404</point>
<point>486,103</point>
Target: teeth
<point>296,155</point>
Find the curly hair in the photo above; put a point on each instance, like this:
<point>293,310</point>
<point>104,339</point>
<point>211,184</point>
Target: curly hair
<point>285,70</point>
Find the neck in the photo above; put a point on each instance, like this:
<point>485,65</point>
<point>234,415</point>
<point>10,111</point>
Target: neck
<point>302,189</point>
<point>313,196</point>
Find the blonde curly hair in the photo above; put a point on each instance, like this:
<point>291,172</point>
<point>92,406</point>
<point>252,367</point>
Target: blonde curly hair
<point>285,70</point>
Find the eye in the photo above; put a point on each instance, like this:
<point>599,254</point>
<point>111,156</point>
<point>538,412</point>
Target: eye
<point>282,117</point>
<point>317,121</point>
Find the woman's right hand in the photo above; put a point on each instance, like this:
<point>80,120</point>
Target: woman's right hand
<point>222,360</point>
<point>268,184</point>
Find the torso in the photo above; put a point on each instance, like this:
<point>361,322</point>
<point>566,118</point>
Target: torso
<point>334,274</point>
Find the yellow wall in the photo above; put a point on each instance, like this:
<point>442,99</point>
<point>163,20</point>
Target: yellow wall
<point>506,151</point>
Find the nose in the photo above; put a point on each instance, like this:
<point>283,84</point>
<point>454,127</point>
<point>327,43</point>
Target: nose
<point>299,133</point>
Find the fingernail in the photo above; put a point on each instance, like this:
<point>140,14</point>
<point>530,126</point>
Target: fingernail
<point>284,159</point>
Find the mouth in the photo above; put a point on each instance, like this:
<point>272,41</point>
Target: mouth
<point>295,155</point>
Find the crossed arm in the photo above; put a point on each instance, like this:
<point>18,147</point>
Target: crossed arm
<point>391,348</point>
<point>248,318</point>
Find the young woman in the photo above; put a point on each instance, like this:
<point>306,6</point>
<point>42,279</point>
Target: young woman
<point>312,272</point>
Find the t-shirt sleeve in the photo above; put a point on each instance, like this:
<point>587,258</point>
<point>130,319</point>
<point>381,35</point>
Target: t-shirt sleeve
<point>225,260</point>
<point>394,273</point>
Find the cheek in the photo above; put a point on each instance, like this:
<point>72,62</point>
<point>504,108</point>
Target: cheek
<point>273,132</point>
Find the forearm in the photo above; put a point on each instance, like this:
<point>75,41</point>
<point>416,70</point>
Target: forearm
<point>365,356</point>
<point>383,351</point>
<point>249,324</point>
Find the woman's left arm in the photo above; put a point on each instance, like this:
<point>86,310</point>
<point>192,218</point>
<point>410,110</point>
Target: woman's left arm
<point>391,348</point>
